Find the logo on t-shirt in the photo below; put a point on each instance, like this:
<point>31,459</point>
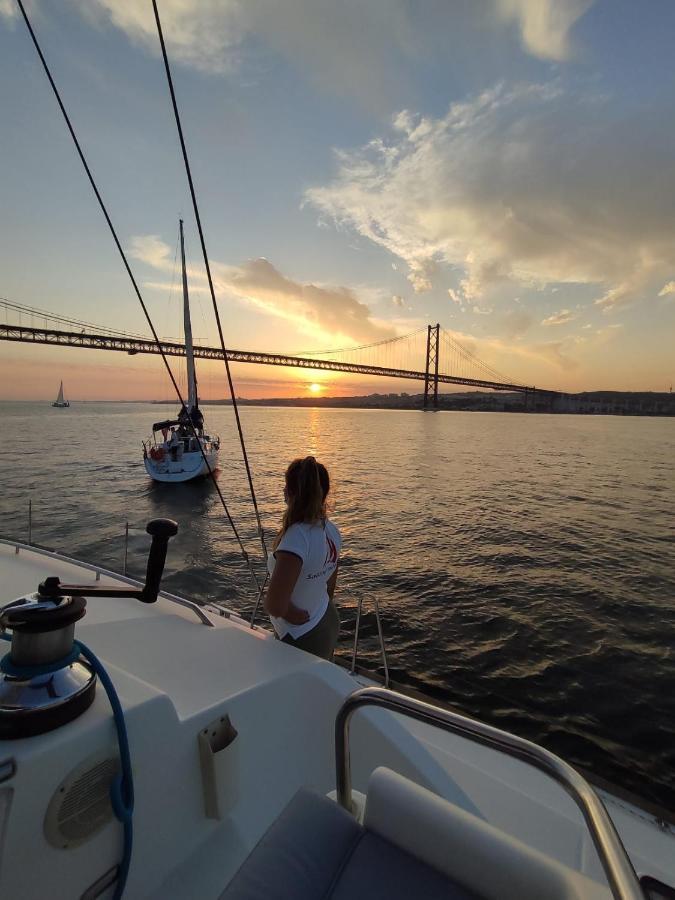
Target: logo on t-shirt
<point>331,553</point>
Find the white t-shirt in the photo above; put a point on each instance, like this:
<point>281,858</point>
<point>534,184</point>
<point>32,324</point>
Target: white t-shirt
<point>318,546</point>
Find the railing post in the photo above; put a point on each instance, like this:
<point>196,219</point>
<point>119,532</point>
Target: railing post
<point>356,635</point>
<point>258,599</point>
<point>126,546</point>
<point>30,522</point>
<point>381,634</point>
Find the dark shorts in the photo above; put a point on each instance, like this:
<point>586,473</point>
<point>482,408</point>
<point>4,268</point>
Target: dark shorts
<point>322,639</point>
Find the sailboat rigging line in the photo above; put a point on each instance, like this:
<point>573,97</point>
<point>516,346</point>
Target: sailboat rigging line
<point>188,172</point>
<point>104,210</point>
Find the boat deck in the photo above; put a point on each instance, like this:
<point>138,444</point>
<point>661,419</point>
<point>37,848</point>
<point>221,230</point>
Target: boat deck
<point>175,676</point>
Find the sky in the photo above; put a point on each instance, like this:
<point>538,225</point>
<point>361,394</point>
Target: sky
<point>503,167</point>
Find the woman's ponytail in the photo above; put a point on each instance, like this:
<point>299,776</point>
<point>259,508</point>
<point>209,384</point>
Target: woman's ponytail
<point>307,486</point>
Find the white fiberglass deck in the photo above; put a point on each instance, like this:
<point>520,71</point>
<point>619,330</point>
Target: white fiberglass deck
<point>174,676</point>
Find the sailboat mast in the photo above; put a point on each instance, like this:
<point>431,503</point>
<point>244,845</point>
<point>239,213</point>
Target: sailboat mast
<point>187,327</point>
<point>59,399</point>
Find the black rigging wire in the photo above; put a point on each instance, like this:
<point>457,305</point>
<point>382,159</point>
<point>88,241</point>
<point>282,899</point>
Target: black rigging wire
<point>207,266</point>
<point>135,285</point>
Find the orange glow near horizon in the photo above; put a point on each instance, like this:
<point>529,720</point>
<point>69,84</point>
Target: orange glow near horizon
<point>315,388</point>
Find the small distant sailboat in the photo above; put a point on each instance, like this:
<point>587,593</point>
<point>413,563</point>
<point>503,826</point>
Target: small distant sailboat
<point>60,403</point>
<point>186,448</point>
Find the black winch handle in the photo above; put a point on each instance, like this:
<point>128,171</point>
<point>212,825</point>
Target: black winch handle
<point>161,531</point>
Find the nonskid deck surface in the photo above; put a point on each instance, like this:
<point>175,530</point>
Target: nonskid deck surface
<point>175,676</point>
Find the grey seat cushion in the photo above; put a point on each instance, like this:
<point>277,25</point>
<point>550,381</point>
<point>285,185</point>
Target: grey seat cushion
<point>315,851</point>
<point>379,870</point>
<point>300,855</point>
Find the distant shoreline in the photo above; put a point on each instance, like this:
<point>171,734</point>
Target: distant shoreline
<point>627,403</point>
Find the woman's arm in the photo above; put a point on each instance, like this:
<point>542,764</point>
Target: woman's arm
<point>283,580</point>
<point>330,584</point>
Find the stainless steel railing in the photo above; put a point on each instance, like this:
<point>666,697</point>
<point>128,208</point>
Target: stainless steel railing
<point>380,634</point>
<point>618,868</point>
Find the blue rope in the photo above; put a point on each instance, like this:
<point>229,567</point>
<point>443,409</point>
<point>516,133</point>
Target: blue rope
<point>122,787</point>
<point>9,668</point>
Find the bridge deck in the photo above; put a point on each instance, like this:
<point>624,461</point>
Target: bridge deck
<point>132,346</point>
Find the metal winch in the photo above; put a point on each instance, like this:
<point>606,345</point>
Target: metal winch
<point>44,683</point>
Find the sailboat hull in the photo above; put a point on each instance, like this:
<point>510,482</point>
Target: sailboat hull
<point>63,405</point>
<point>189,467</point>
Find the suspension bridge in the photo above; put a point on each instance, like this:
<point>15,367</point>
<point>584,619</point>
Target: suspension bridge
<point>444,359</point>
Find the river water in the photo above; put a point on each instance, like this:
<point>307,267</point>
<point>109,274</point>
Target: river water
<point>524,564</point>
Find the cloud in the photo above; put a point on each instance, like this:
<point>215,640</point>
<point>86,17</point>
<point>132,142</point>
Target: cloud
<point>349,48</point>
<point>510,357</point>
<point>204,35</point>
<point>151,249</point>
<point>516,322</point>
<point>368,52</point>
<point>554,352</point>
<point>667,289</point>
<point>560,318</point>
<point>529,184</point>
<point>9,9</point>
<point>398,301</point>
<point>544,24</point>
<point>607,333</point>
<point>313,308</point>
<point>335,310</point>
<point>455,296</point>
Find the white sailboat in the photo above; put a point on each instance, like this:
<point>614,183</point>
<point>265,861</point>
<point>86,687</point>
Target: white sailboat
<point>185,451</point>
<point>60,403</point>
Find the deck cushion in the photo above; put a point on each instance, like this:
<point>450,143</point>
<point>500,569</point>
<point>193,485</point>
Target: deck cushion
<point>317,851</point>
<point>300,855</point>
<point>379,870</point>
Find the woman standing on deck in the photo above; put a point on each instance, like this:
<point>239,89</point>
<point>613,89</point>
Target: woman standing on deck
<point>304,564</point>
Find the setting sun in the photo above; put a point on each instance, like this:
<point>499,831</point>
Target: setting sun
<point>315,388</point>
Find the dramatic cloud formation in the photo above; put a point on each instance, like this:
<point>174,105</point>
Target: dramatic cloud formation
<point>334,311</point>
<point>667,289</point>
<point>544,24</point>
<point>348,47</point>
<point>530,184</point>
<point>560,318</point>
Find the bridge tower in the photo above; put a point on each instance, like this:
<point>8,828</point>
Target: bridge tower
<point>431,370</point>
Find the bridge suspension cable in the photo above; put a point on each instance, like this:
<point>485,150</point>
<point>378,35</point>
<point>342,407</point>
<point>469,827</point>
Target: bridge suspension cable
<point>35,313</point>
<point>394,340</point>
<point>453,353</point>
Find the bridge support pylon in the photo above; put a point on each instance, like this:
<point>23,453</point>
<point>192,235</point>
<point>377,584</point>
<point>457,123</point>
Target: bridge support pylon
<point>431,369</point>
